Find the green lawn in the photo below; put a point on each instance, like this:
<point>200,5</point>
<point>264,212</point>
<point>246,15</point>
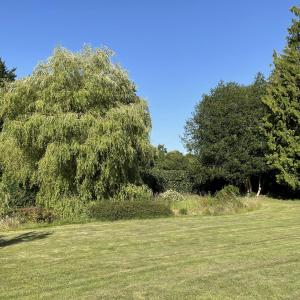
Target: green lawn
<point>255,255</point>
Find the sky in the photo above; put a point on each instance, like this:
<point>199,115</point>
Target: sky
<point>174,50</point>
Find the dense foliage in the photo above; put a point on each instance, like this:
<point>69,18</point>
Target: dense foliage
<point>74,142</point>
<point>172,160</point>
<point>225,133</point>
<point>171,195</point>
<point>225,201</point>
<point>5,73</point>
<point>132,192</point>
<point>170,170</point>
<point>161,180</point>
<point>74,129</point>
<point>282,122</point>
<point>117,210</point>
<point>34,214</point>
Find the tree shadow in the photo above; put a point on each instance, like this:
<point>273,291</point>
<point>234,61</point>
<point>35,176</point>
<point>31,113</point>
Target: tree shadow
<point>25,237</point>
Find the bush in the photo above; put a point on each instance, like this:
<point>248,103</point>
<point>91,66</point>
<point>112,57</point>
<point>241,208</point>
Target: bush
<point>131,192</point>
<point>13,196</point>
<point>70,208</point>
<point>9,222</point>
<point>34,214</point>
<point>117,210</point>
<point>154,181</point>
<point>224,201</point>
<point>170,196</point>
<point>162,180</point>
<point>228,191</point>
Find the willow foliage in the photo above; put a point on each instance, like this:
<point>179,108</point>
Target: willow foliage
<point>75,128</point>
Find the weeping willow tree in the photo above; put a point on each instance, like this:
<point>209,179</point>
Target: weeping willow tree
<point>75,128</point>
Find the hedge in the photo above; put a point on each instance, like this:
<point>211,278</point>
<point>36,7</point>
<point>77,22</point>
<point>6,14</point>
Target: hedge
<point>162,180</point>
<point>116,210</point>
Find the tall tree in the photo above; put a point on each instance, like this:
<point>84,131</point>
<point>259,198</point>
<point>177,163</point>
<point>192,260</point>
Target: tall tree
<point>282,122</point>
<point>5,73</point>
<point>225,133</point>
<point>75,129</point>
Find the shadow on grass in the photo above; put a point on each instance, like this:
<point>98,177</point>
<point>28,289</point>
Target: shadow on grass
<point>25,237</point>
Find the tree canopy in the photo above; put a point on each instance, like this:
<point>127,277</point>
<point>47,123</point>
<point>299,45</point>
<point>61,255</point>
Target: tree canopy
<point>282,123</point>
<point>74,129</point>
<point>172,160</point>
<point>5,73</point>
<point>225,134</point>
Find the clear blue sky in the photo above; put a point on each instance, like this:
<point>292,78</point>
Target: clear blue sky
<point>174,50</point>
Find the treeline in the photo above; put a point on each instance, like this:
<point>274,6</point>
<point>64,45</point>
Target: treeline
<point>247,136</point>
<point>76,132</point>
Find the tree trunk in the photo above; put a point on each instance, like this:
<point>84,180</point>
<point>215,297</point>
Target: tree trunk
<point>248,186</point>
<point>259,187</point>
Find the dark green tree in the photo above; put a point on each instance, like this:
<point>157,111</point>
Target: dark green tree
<point>173,160</point>
<point>162,149</point>
<point>225,133</point>
<point>170,170</point>
<point>5,73</point>
<point>282,123</point>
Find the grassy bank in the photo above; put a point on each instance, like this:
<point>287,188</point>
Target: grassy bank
<point>195,205</point>
<point>255,255</point>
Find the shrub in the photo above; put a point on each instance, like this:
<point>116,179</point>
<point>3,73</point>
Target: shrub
<point>34,214</point>
<point>14,195</point>
<point>131,192</point>
<point>70,208</point>
<point>170,196</point>
<point>224,201</point>
<point>161,180</point>
<point>228,191</point>
<point>154,181</point>
<point>117,210</point>
<point>9,222</point>
<point>228,196</point>
<point>183,211</point>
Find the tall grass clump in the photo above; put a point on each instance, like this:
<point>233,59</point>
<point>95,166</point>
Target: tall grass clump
<point>225,201</point>
<point>131,192</point>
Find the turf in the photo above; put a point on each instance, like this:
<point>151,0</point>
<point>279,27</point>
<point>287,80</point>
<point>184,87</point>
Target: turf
<point>255,255</point>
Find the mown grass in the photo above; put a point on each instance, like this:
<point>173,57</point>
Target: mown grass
<point>254,255</point>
